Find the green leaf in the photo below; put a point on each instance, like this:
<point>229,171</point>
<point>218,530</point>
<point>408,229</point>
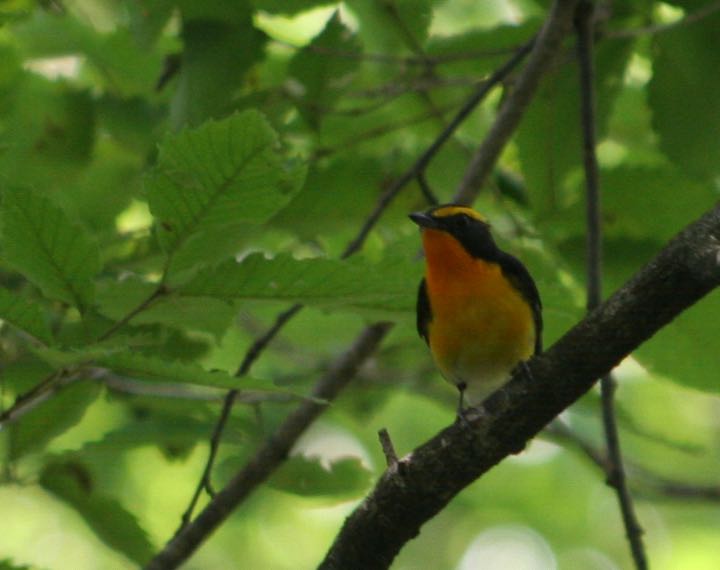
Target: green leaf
<point>389,26</point>
<point>117,62</point>
<point>73,483</point>
<point>25,315</point>
<point>288,7</point>
<point>678,94</point>
<point>211,179</point>
<point>51,419</point>
<point>321,74</point>
<point>327,282</point>
<point>147,20</point>
<point>323,206</point>
<point>6,564</point>
<point>115,299</point>
<point>652,202</point>
<point>48,248</point>
<point>307,477</point>
<point>549,137</point>
<point>686,349</point>
<point>156,369</point>
<point>47,131</point>
<point>165,431</point>
<point>217,55</point>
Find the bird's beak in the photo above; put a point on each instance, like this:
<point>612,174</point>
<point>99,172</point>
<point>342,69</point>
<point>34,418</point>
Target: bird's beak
<point>424,220</point>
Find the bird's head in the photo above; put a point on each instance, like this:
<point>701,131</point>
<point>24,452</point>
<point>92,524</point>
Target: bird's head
<point>464,224</point>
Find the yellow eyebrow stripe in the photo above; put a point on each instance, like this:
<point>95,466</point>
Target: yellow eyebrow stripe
<point>446,211</point>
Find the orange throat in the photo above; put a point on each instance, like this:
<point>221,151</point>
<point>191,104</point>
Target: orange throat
<point>481,326</point>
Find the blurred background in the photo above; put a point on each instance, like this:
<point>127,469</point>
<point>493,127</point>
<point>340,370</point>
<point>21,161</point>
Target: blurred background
<point>100,100</point>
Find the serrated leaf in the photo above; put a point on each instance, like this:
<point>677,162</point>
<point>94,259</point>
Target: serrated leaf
<point>116,299</point>
<point>41,242</point>
<point>156,369</point>
<point>216,57</point>
<point>72,483</point>
<point>678,94</point>
<point>312,281</point>
<point>307,477</point>
<point>44,423</point>
<point>211,179</point>
<point>25,315</point>
<point>322,75</point>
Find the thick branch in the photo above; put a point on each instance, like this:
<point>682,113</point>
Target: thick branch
<point>548,43</point>
<point>272,453</point>
<point>403,500</point>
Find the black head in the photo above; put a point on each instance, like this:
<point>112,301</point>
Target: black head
<point>464,224</point>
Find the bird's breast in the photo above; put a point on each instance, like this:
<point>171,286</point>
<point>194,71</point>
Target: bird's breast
<point>481,325</point>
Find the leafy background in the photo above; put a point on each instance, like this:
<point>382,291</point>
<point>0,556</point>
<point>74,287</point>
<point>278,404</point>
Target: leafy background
<point>147,146</point>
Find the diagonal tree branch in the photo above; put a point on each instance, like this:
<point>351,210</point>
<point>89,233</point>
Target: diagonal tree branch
<point>416,170</point>
<point>548,43</point>
<point>404,499</point>
<point>272,453</point>
<point>189,537</point>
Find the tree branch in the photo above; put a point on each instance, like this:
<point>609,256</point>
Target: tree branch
<point>616,470</point>
<point>548,43</point>
<point>421,163</point>
<point>272,453</point>
<point>251,356</point>
<point>684,271</point>
<point>643,479</point>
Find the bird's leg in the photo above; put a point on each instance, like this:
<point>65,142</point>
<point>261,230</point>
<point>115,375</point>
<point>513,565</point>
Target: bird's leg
<point>461,403</point>
<point>523,368</point>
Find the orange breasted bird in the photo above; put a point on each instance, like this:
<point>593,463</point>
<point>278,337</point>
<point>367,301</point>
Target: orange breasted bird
<point>478,308</point>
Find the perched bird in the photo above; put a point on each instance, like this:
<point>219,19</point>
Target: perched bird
<point>478,307</point>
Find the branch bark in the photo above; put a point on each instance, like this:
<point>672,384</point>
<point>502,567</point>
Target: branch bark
<point>548,43</point>
<point>273,452</point>
<point>404,499</point>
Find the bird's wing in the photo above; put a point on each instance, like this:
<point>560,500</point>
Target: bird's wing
<point>520,277</point>
<point>424,313</point>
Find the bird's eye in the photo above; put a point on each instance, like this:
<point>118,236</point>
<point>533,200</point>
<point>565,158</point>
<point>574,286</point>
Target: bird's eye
<point>464,221</point>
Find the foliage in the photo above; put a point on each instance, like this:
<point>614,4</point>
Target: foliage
<point>175,173</point>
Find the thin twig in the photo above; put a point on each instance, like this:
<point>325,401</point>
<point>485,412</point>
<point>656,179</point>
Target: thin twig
<point>547,44</point>
<point>426,190</point>
<point>684,271</point>
<point>28,401</point>
<point>421,163</point>
<point>391,458</point>
<point>689,19</point>
<point>271,446</point>
<point>272,453</point>
<point>616,471</point>
<point>160,291</point>
<point>645,481</point>
<point>56,381</point>
<point>390,59</point>
<point>251,356</point>
<point>378,131</point>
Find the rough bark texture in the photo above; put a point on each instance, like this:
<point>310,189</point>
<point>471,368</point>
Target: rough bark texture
<point>427,479</point>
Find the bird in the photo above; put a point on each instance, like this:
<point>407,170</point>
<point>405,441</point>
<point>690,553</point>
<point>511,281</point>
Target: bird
<point>478,307</point>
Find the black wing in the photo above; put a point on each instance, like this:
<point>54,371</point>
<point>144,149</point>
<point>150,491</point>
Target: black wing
<point>521,279</point>
<point>424,313</point>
